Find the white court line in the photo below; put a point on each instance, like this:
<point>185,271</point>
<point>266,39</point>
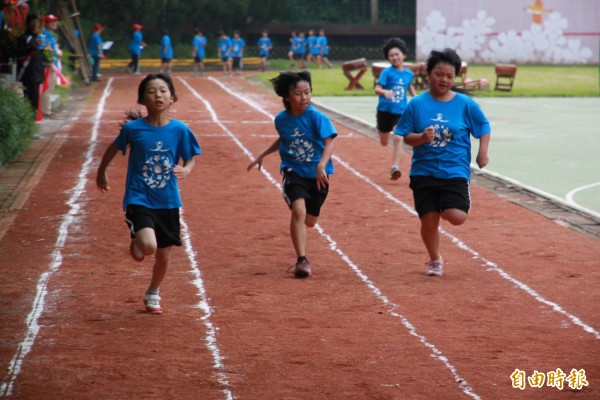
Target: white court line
<point>37,308</point>
<point>459,243</point>
<point>571,194</point>
<point>391,307</point>
<point>204,305</point>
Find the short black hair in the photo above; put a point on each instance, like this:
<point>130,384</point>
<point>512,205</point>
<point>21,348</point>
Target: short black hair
<point>394,42</point>
<point>448,56</point>
<point>285,81</point>
<point>151,77</point>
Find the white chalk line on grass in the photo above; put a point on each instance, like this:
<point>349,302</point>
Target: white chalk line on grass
<point>459,243</point>
<point>31,322</point>
<point>391,307</point>
<point>204,305</point>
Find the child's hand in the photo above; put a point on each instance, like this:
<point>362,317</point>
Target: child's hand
<point>181,172</point>
<point>429,134</point>
<point>389,94</point>
<point>257,161</point>
<point>102,183</point>
<point>322,180</point>
<point>482,159</point>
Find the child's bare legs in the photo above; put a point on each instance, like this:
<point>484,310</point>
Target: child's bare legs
<point>145,240</point>
<point>384,138</point>
<point>299,222</point>
<point>395,172</point>
<point>161,265</point>
<point>430,223</point>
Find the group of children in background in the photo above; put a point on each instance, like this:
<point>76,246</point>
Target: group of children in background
<point>306,50</point>
<point>230,50</point>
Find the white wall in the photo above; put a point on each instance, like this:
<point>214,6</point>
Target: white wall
<point>511,31</point>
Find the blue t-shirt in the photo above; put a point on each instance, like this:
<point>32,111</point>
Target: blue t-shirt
<point>135,43</point>
<point>323,45</point>
<point>449,155</point>
<point>314,47</point>
<point>166,42</point>
<point>263,46</point>
<point>153,154</point>
<point>302,141</point>
<point>398,82</point>
<point>225,47</point>
<point>237,47</point>
<point>200,44</point>
<point>94,42</point>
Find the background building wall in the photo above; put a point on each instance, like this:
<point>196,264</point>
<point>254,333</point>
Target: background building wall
<point>511,31</point>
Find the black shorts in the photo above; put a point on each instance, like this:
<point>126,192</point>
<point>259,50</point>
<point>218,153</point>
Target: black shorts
<point>198,59</point>
<point>296,187</point>
<point>298,56</point>
<point>166,60</point>
<point>433,194</point>
<point>237,62</point>
<point>386,121</point>
<point>164,222</point>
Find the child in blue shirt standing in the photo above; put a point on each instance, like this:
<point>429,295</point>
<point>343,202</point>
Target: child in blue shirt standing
<point>136,43</point>
<point>264,47</point>
<point>166,53</point>
<point>237,52</point>
<point>157,144</point>
<point>198,51</point>
<point>392,87</point>
<point>438,124</point>
<point>305,146</point>
<point>224,49</point>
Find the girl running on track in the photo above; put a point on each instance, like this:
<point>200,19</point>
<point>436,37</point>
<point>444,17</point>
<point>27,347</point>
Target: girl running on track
<point>305,146</point>
<point>392,87</point>
<point>439,124</point>
<point>157,144</point>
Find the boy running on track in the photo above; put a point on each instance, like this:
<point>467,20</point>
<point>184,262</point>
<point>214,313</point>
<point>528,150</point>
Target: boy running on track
<point>439,124</point>
<point>151,202</point>
<point>393,84</point>
<point>305,146</point>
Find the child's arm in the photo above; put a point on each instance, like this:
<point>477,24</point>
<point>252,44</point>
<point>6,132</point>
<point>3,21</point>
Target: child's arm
<point>322,179</point>
<point>482,156</point>
<point>379,90</point>
<point>417,139</point>
<point>411,90</point>
<point>101,179</point>
<point>183,171</point>
<point>258,160</point>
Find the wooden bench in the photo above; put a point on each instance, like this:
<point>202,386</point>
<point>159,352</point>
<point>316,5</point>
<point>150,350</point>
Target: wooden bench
<point>505,76</point>
<point>348,67</point>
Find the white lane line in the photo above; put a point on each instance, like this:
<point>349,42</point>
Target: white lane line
<point>204,305</point>
<point>459,243</point>
<point>391,307</point>
<point>31,322</point>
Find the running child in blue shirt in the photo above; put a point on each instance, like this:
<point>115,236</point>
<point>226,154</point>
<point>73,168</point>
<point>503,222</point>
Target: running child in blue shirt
<point>161,152</point>
<point>305,146</point>
<point>392,87</point>
<point>439,124</point>
<point>264,47</point>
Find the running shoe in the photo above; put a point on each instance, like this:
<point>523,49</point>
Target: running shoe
<point>435,267</point>
<point>152,303</point>
<point>301,269</point>
<point>395,173</point>
<point>135,252</point>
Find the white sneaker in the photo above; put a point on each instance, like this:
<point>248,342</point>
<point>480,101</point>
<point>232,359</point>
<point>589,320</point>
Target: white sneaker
<point>152,303</point>
<point>435,267</point>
